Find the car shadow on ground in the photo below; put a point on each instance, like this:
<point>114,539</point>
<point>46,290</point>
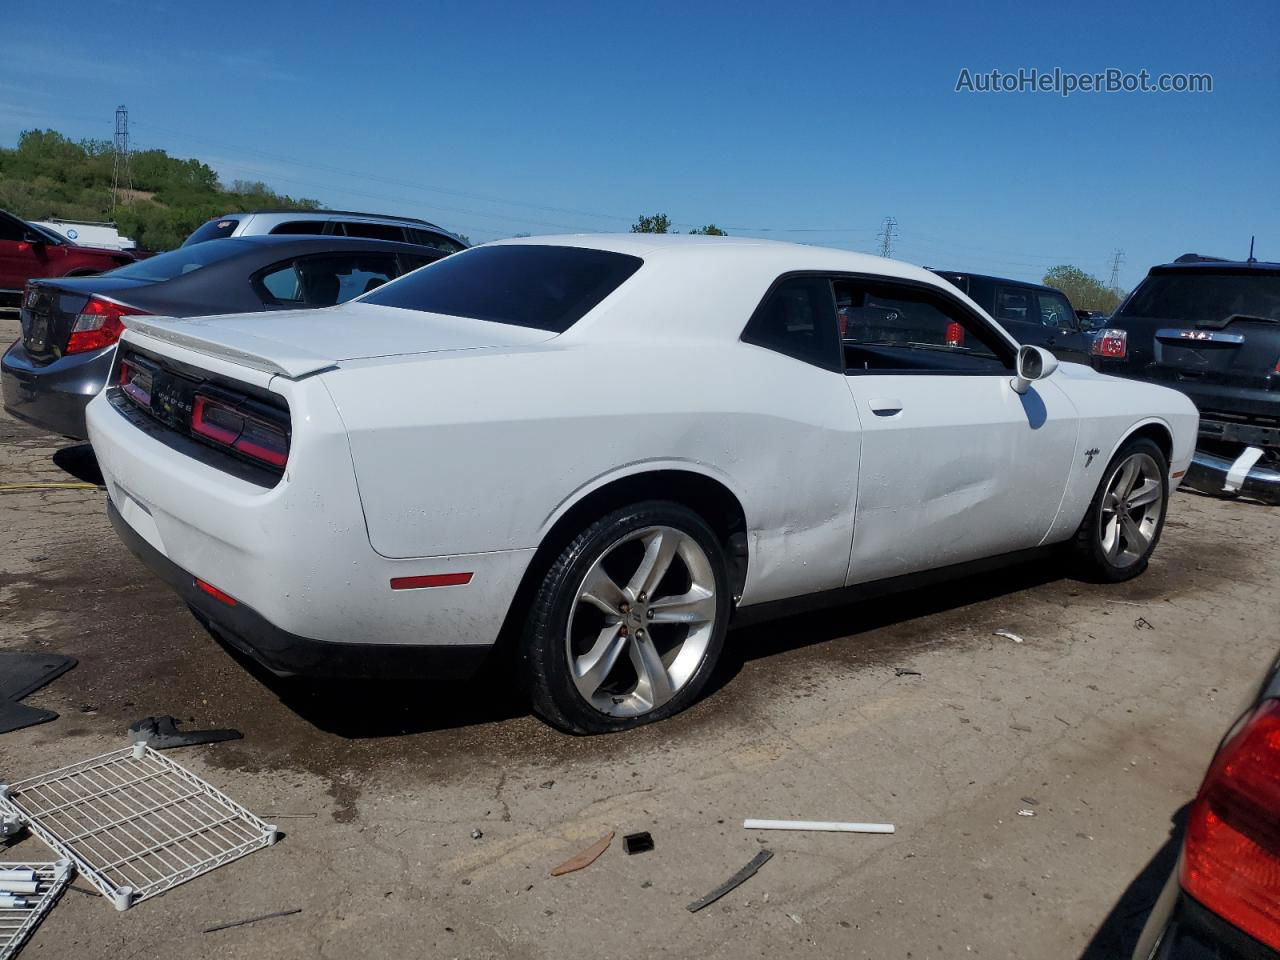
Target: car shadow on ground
<point>358,709</point>
<point>80,462</point>
<point>1118,934</point>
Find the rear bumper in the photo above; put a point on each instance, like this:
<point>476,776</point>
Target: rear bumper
<point>53,397</point>
<point>287,654</point>
<point>1210,473</point>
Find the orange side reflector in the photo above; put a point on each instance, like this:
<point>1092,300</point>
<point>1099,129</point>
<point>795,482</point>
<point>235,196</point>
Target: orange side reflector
<point>1175,476</point>
<point>432,580</point>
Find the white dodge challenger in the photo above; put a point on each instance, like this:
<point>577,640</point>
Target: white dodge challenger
<point>600,450</point>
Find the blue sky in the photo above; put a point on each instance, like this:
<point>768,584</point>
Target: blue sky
<point>808,122</point>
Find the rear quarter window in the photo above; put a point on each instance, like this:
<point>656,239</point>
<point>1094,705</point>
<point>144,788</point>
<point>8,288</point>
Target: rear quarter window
<point>213,230</point>
<point>527,285</point>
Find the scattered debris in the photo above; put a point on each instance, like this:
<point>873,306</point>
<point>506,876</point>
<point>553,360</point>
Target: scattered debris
<point>22,674</point>
<point>135,823</point>
<point>161,733</point>
<point>22,914</point>
<point>1127,603</point>
<point>1142,623</point>
<point>1009,635</point>
<point>586,858</point>
<point>635,843</point>
<point>245,923</point>
<point>829,826</point>
<point>737,880</point>
<point>795,918</point>
<point>547,785</point>
<point>1026,813</point>
<point>290,816</point>
<point>1019,727</point>
<point>1031,801</point>
<point>477,834</point>
<point>904,672</point>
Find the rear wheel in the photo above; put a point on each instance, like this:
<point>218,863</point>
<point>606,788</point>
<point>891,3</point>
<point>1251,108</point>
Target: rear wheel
<point>1124,522</point>
<point>629,621</point>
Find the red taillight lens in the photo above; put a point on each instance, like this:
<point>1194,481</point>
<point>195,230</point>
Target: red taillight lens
<point>229,426</point>
<point>955,335</point>
<point>98,325</point>
<point>1231,860</point>
<point>1110,343</point>
<point>136,383</point>
<point>217,594</point>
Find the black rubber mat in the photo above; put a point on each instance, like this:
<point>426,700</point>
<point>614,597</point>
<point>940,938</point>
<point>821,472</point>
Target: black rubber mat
<point>22,674</point>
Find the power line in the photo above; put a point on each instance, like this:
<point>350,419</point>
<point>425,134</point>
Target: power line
<point>1117,258</point>
<point>886,236</point>
<point>120,169</point>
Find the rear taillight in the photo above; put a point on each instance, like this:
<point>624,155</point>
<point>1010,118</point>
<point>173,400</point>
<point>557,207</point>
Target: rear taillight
<point>1110,343</point>
<point>230,426</point>
<point>98,325</point>
<point>1231,861</point>
<point>955,335</point>
<point>135,383</point>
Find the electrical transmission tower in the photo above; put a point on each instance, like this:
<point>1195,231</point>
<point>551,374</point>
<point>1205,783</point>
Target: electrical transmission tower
<point>886,236</point>
<point>1117,258</point>
<point>121,174</point>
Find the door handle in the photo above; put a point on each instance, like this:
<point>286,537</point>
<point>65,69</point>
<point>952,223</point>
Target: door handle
<point>884,407</point>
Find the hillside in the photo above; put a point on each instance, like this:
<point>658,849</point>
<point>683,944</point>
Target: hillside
<point>48,175</point>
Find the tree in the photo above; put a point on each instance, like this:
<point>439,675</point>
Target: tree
<point>658,223</point>
<point>710,230</point>
<point>1085,292</point>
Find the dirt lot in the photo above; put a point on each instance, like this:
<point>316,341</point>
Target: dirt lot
<point>1100,727</point>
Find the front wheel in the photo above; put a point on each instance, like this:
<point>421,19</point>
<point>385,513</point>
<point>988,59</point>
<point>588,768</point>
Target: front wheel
<point>629,621</point>
<point>1125,520</point>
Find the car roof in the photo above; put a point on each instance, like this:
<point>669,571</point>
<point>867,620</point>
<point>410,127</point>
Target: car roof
<point>1194,262</point>
<point>325,214</point>
<point>986,276</point>
<point>304,242</point>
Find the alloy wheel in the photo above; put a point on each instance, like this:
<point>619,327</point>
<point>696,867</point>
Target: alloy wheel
<point>1131,509</point>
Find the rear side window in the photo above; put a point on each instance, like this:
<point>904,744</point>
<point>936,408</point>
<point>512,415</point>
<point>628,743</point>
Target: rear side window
<point>1055,311</point>
<point>374,231</point>
<point>797,318</point>
<point>185,259</point>
<point>527,285</point>
<point>1016,304</point>
<point>426,238</point>
<point>327,280</point>
<point>1191,297</point>
<point>213,230</point>
<point>301,227</point>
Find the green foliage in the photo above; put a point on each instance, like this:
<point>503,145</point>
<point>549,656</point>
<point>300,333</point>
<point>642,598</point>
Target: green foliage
<point>658,223</point>
<point>1085,292</point>
<point>710,230</point>
<point>48,175</point>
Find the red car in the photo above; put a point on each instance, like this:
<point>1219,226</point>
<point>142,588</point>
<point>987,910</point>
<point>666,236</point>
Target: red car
<point>28,251</point>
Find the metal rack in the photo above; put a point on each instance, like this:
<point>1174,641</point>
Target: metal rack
<point>17,924</point>
<point>135,823</point>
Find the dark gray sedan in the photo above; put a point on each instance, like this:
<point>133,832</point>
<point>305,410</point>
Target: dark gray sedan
<point>70,325</point>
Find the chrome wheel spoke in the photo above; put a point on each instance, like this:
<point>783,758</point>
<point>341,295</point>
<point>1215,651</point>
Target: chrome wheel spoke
<point>1111,538</point>
<point>696,606</point>
<point>659,550</point>
<point>654,684</point>
<point>592,669</point>
<point>601,592</point>
<point>1128,476</point>
<point>1135,539</point>
<point>1146,494</point>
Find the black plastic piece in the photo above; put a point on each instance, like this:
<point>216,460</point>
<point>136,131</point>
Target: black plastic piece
<point>22,674</point>
<point>161,733</point>
<point>637,842</point>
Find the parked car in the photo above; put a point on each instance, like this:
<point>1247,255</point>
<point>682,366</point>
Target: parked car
<point>1091,319</point>
<point>1210,328</point>
<point>1222,900</point>
<point>28,250</point>
<point>329,223</point>
<point>70,326</point>
<point>612,445</point>
<point>1032,313</point>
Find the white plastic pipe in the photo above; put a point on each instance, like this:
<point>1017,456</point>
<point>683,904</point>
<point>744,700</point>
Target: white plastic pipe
<point>830,826</point>
<point>14,903</point>
<point>24,874</point>
<point>18,886</point>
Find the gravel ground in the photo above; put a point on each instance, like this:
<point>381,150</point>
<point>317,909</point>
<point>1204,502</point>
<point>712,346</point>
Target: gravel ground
<point>1100,724</point>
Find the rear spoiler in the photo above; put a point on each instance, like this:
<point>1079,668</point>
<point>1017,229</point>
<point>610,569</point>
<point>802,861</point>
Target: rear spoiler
<point>184,333</point>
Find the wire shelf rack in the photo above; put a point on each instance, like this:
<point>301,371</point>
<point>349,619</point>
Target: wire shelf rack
<point>134,823</point>
<point>17,923</point>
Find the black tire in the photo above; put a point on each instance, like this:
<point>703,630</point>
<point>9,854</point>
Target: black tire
<point>543,654</point>
<point>1089,555</point>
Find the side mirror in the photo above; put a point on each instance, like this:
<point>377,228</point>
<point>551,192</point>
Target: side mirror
<point>34,237</point>
<point>1034,363</point>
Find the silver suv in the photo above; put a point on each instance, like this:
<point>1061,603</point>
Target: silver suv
<point>341,223</point>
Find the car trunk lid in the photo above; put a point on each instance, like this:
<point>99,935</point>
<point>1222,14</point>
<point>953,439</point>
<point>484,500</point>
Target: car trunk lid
<point>49,309</point>
<point>1244,351</point>
<point>302,342</point>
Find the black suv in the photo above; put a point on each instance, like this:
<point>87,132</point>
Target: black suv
<point>1032,313</point>
<point>1210,328</point>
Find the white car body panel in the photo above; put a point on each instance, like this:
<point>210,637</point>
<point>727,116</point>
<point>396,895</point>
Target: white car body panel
<point>428,444</point>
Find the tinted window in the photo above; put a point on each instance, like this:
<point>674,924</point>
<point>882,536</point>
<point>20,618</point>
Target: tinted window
<point>426,238</point>
<point>1016,304</point>
<point>166,266</point>
<point>798,318</point>
<point>375,231</point>
<point>1190,297</point>
<point>212,230</point>
<point>11,229</point>
<point>1055,311</point>
<point>549,288</point>
<point>326,280</point>
<point>301,227</point>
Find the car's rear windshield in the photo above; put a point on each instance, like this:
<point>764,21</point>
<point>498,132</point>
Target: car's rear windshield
<point>212,231</point>
<point>1191,297</point>
<point>528,285</point>
<point>166,266</point>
